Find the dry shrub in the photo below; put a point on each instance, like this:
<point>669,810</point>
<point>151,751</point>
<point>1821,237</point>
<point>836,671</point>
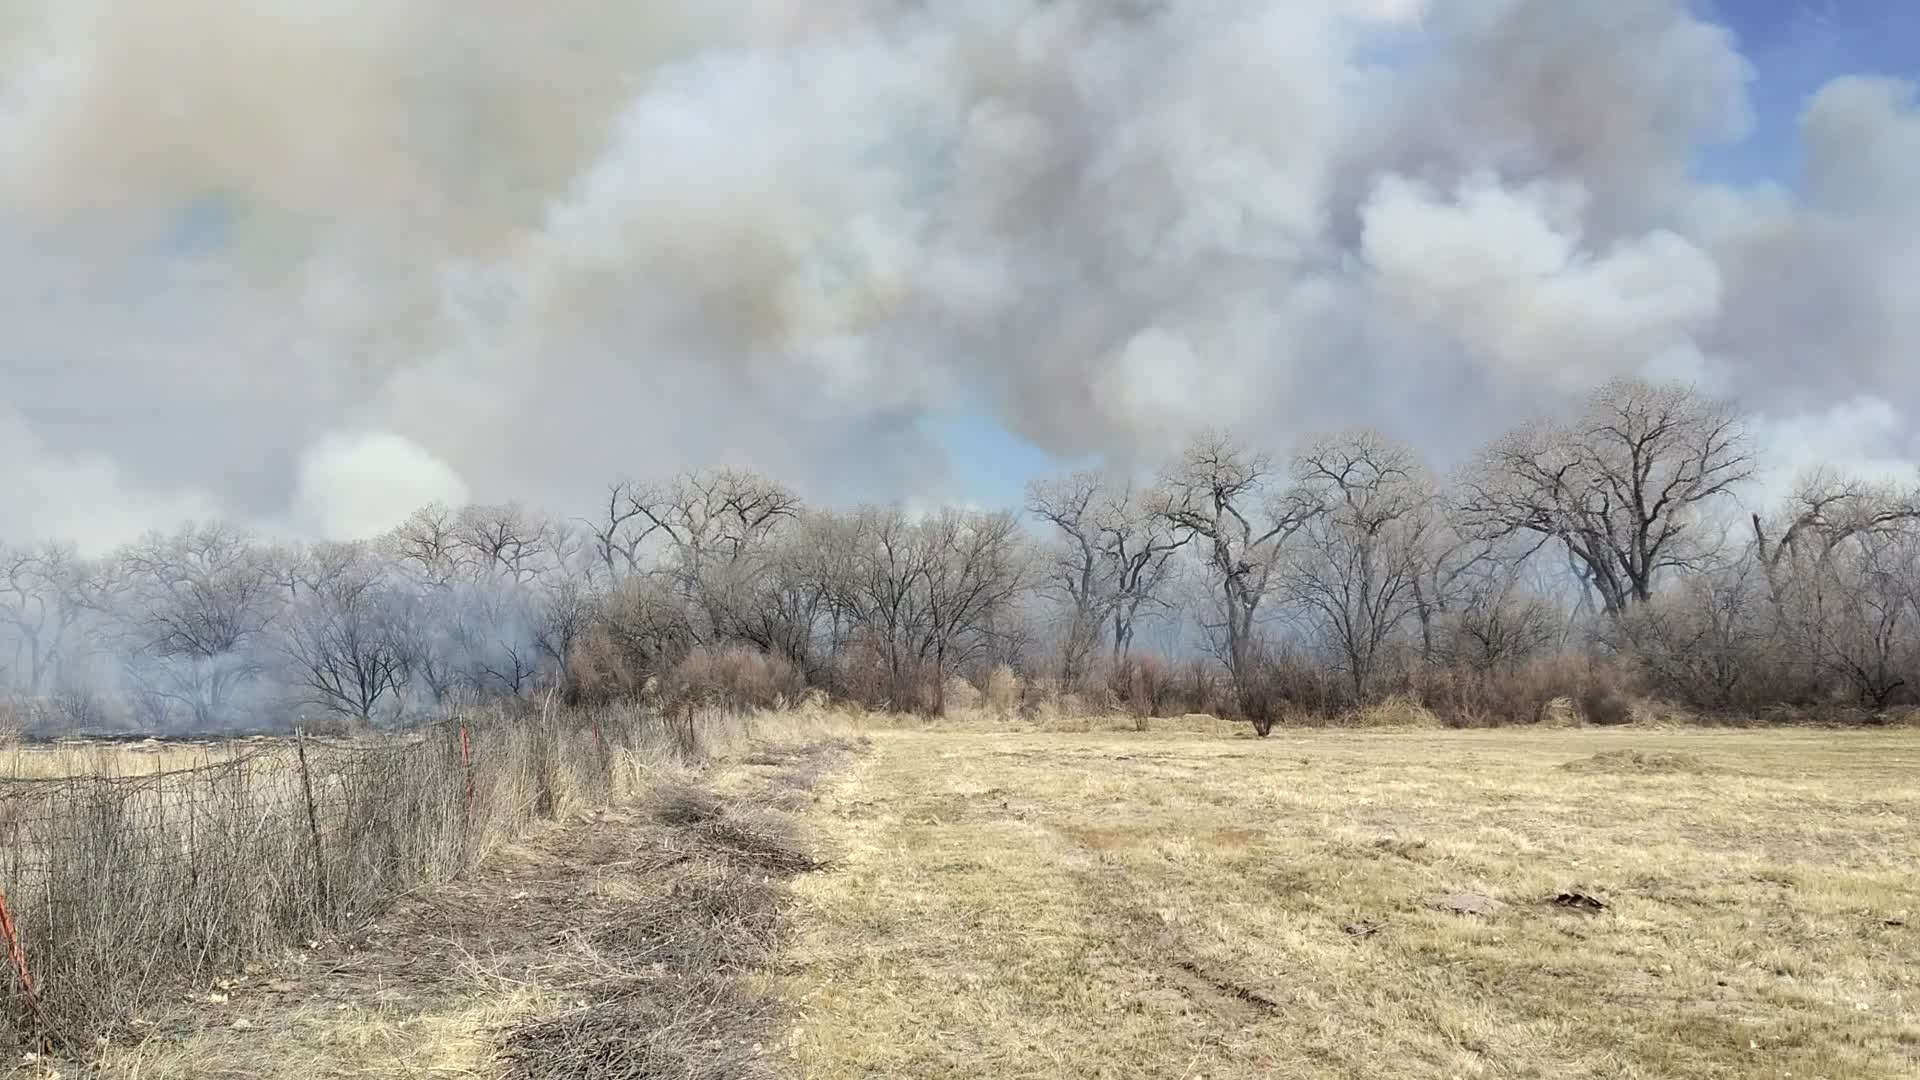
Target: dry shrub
<point>733,679</point>
<point>1561,712</point>
<point>960,695</point>
<point>866,676</point>
<point>210,868</point>
<point>1397,711</point>
<point>1636,761</point>
<point>599,670</point>
<point>1605,705</point>
<point>1143,685</point>
<point>1907,716</point>
<point>1002,691</point>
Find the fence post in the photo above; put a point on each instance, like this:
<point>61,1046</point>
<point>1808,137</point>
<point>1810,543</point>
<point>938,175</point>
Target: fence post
<point>600,750</point>
<point>466,769</point>
<point>313,826</point>
<point>17,958</point>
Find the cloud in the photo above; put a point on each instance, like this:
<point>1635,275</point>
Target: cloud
<point>543,247</point>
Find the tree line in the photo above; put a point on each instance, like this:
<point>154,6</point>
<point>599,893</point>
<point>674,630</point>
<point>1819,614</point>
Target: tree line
<point>1612,544</point>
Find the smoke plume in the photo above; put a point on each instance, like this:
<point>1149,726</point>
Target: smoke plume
<point>303,265</point>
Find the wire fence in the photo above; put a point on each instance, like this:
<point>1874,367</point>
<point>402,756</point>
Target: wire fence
<point>115,891</point>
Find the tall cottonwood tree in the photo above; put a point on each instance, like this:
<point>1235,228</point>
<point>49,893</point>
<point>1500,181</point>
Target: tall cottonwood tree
<point>1111,558</point>
<point>1365,543</point>
<point>1227,501</point>
<point>1624,484</point>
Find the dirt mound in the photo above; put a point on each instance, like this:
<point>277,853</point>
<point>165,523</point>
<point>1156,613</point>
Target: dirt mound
<point>1640,761</point>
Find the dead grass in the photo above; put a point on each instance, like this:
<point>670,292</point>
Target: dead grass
<point>1640,761</point>
<point>630,943</point>
<point>1174,905</point>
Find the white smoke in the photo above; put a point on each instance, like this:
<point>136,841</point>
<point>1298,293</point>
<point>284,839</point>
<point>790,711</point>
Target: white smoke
<point>536,248</point>
<point>355,486</point>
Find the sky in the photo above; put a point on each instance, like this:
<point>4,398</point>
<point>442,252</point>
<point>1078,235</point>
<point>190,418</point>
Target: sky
<point>304,266</point>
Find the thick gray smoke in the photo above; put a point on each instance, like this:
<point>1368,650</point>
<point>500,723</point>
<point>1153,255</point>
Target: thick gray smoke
<point>308,265</point>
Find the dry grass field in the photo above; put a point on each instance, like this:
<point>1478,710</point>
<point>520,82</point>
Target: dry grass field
<point>1185,905</point>
<point>1177,903</point>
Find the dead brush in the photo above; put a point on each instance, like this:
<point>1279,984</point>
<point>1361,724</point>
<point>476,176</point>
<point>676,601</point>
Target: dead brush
<point>683,1027</point>
<point>682,804</point>
<point>127,888</point>
<point>763,840</point>
<point>821,750</point>
<point>715,919</point>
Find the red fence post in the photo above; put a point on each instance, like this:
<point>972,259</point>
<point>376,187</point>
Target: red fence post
<point>17,958</point>
<point>466,766</point>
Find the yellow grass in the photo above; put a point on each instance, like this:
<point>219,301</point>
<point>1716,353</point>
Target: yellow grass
<point>1182,904</point>
<point>48,761</point>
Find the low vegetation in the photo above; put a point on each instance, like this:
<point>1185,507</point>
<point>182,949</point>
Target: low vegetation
<point>1419,904</point>
<point>616,943</point>
<point>124,884</point>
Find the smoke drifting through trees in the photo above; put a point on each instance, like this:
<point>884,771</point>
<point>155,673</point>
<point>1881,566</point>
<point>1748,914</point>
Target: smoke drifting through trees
<point>1609,540</point>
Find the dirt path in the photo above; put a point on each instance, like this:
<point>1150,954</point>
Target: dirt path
<point>625,943</point>
<point>1118,905</point>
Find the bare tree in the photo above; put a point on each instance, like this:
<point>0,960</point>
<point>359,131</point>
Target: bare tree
<point>719,527</point>
<point>1495,623</point>
<point>795,597</point>
<point>428,545</point>
<point>201,598</point>
<point>1623,485</point>
<point>1221,496</point>
<point>1357,571</point>
<point>974,572</point>
<point>621,529</point>
<point>1825,512</point>
<point>1708,641</point>
<point>507,543</point>
<point>42,597</point>
<point>1111,560</point>
<point>347,639</point>
<point>883,590</point>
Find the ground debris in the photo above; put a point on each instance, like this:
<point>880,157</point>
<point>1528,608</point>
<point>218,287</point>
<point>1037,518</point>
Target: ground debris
<point>1579,901</point>
<point>1365,928</point>
<point>1466,903</point>
<point>684,1027</point>
<point>1640,761</point>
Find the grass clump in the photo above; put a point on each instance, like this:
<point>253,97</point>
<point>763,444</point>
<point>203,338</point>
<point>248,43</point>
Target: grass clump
<point>1640,761</point>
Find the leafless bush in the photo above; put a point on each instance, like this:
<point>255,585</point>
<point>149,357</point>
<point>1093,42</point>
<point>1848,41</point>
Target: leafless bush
<point>733,679</point>
<point>1471,695</point>
<point>123,888</point>
<point>1142,685</point>
<point>1605,705</point>
<point>1002,691</point>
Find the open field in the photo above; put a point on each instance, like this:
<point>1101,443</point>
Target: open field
<point>1177,905</point>
<point>1174,903</point>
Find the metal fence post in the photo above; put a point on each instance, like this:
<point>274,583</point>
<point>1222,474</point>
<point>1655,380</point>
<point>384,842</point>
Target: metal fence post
<point>313,827</point>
